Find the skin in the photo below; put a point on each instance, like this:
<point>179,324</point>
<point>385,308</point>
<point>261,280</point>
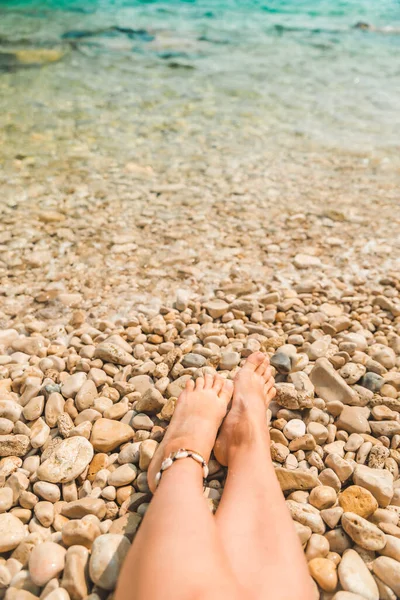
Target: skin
<point>245,551</point>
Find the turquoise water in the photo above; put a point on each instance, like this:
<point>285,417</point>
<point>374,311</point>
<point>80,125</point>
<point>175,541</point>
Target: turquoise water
<point>158,80</point>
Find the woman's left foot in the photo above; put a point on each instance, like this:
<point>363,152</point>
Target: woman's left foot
<point>198,415</point>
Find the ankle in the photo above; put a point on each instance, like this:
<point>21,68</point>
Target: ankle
<point>257,442</point>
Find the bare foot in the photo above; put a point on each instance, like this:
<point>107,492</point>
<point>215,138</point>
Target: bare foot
<point>198,415</point>
<point>246,421</point>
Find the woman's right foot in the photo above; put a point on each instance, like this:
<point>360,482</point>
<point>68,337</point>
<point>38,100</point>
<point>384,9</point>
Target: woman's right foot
<point>246,422</point>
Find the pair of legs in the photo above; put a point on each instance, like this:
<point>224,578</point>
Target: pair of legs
<point>249,549</point>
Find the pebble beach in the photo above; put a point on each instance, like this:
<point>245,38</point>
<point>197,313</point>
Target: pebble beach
<point>135,255</point>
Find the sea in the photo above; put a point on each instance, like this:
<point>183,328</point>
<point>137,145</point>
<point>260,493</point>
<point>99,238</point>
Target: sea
<point>164,81</point>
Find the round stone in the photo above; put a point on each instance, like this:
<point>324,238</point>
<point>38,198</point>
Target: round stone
<point>294,429</point>
<point>69,459</point>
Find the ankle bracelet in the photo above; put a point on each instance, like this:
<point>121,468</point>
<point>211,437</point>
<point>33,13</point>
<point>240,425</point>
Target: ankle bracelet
<point>182,453</point>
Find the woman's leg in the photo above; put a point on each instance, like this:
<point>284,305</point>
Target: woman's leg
<point>177,553</point>
<point>253,521</point>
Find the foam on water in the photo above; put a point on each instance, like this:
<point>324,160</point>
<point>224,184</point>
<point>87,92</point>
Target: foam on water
<point>156,78</point>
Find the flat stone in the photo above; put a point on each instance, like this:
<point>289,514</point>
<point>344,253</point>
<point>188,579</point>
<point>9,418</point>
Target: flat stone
<point>329,385</point>
<point>358,500</point>
<point>195,361</point>
<point>306,261</point>
<point>67,462</point>
<point>297,479</point>
<point>378,481</point>
<point>355,577</point>
<point>141,383</point>
<point>12,532</point>
<point>354,419</point>
<point>362,532</point>
<point>386,428</point>
<point>108,554</point>
<point>216,308</point>
<point>46,561</point>
<point>108,434</point>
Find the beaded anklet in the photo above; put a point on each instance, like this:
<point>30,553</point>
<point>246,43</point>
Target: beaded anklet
<point>182,453</point>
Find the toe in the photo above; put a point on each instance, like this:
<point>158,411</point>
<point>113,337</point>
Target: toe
<point>208,381</point>
<point>269,384</point>
<point>227,390</point>
<point>254,361</point>
<point>268,373</point>
<point>271,394</point>
<point>261,369</point>
<point>199,384</point>
<point>189,385</point>
<point>218,384</point>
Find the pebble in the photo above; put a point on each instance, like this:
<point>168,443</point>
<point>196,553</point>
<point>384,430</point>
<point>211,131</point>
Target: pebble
<point>113,353</point>
<point>73,384</point>
<point>108,434</point>
<point>123,475</point>
<point>294,429</point>
<point>46,561</point>
<point>12,532</point>
<point>110,383</point>
<point>151,401</point>
<point>229,360</point>
<point>81,532</point>
<point>388,570</point>
<point>147,451</point>
<point>354,419</point>
<point>378,481</point>
<point>329,385</point>
<point>281,362</point>
<point>324,572</point>
<point>295,479</point>
<point>355,577</point>
<point>69,459</point>
<point>362,532</point>
<point>84,506</point>
<point>74,579</point>
<point>108,554</point>
<point>358,500</point>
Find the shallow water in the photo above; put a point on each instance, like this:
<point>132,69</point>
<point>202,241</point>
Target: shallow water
<point>172,81</point>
